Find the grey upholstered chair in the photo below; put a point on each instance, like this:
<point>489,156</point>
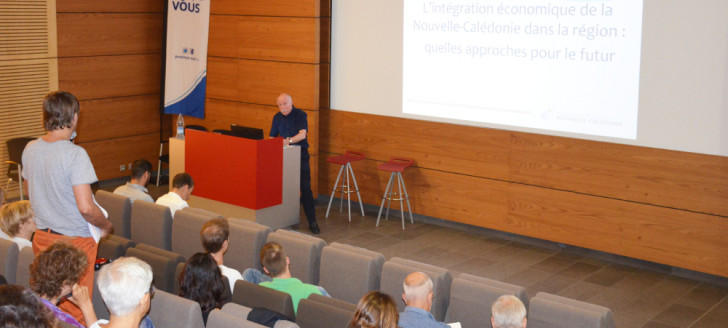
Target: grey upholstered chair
<point>163,263</point>
<point>242,312</point>
<point>25,259</point>
<point>552,311</point>
<point>151,224</point>
<point>314,312</point>
<point>171,311</point>
<point>471,298</point>
<point>304,252</point>
<point>98,302</point>
<point>396,269</point>
<point>113,247</point>
<point>186,228</point>
<point>119,209</point>
<point>348,272</point>
<point>222,319</point>
<point>252,295</point>
<point>246,240</point>
<point>8,260</point>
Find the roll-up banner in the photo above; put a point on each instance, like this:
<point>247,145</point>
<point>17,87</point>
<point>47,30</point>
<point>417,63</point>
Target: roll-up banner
<point>188,23</point>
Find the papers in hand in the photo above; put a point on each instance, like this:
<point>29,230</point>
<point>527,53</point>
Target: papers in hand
<point>454,325</point>
<point>94,230</point>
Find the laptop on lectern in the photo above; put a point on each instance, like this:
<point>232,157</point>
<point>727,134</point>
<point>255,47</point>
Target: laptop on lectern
<point>246,132</point>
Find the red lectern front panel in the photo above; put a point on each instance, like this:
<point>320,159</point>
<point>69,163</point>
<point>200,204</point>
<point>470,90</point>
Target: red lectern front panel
<point>234,170</point>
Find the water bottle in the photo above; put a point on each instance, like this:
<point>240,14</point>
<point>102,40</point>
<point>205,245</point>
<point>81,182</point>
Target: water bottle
<point>180,127</point>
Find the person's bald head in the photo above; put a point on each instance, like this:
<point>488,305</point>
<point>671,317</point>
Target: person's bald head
<point>418,290</point>
<point>285,103</point>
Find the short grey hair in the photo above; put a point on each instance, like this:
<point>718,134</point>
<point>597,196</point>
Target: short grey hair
<point>123,283</point>
<point>417,292</point>
<point>508,312</point>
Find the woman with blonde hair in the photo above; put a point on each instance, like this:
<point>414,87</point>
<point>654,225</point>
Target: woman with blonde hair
<point>375,310</point>
<point>16,220</point>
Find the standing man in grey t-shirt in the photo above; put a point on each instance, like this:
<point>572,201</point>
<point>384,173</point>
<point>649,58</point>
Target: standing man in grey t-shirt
<point>59,175</point>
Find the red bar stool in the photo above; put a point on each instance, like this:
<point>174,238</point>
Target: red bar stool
<point>345,162</point>
<point>395,165</point>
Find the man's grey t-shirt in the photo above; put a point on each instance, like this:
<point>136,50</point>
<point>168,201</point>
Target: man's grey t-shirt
<point>52,169</point>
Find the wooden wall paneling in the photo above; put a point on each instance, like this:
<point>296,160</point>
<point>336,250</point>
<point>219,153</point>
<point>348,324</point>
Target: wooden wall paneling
<point>219,114</point>
<point>111,118</point>
<point>83,34</point>
<point>313,131</point>
<point>28,30</point>
<point>325,28</point>
<point>679,238</point>
<point>286,39</point>
<point>325,86</point>
<point>669,236</point>
<point>109,6</point>
<point>108,154</point>
<point>454,197</point>
<point>689,181</point>
<point>110,76</point>
<point>447,147</point>
<point>287,8</point>
<point>260,82</point>
<point>692,182</point>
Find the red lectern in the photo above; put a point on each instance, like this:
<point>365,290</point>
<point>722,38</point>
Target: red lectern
<point>238,171</point>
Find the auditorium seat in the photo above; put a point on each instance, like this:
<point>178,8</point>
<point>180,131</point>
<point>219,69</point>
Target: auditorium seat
<point>102,312</point>
<point>25,259</point>
<point>552,311</point>
<point>246,240</point>
<point>119,209</point>
<point>323,312</point>
<point>242,312</point>
<point>163,263</point>
<point>252,295</point>
<point>396,269</point>
<point>471,298</point>
<point>171,311</point>
<point>349,272</point>
<point>304,252</point>
<point>186,228</point>
<point>220,319</point>
<point>203,212</point>
<point>151,224</point>
<point>112,247</point>
<point>8,260</point>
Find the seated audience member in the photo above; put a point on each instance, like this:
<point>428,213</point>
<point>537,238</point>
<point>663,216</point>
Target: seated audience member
<point>508,312</point>
<point>16,220</point>
<point>418,297</point>
<point>21,308</point>
<point>126,287</point>
<point>141,171</point>
<point>201,281</point>
<point>276,264</point>
<point>375,310</point>
<point>54,276</point>
<point>215,239</point>
<point>176,198</point>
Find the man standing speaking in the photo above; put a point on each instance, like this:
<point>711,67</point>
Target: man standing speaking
<point>292,124</point>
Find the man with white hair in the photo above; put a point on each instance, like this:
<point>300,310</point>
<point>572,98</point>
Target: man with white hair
<point>418,297</point>
<point>126,287</point>
<point>508,312</point>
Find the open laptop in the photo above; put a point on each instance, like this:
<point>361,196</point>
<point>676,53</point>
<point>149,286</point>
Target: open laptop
<point>246,132</point>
